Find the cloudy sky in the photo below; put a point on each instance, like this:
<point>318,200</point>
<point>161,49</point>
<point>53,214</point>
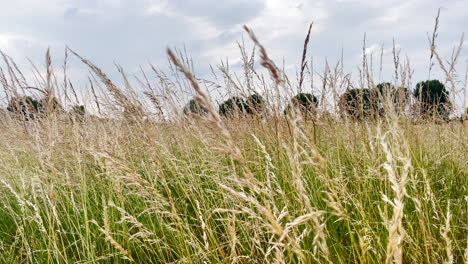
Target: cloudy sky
<point>135,32</point>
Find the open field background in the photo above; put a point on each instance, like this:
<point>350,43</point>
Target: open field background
<point>138,181</point>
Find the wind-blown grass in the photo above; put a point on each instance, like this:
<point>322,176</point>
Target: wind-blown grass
<point>141,187</point>
<point>110,192</point>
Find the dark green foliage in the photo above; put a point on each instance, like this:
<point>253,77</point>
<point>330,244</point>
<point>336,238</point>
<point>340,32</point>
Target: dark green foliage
<point>398,96</point>
<point>25,107</point>
<point>255,104</point>
<point>232,106</point>
<point>385,89</point>
<point>360,103</point>
<point>433,98</point>
<point>193,107</point>
<point>306,103</point>
<point>78,112</point>
<point>28,108</point>
<point>50,106</point>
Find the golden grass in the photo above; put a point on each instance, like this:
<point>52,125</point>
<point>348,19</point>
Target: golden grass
<point>148,186</point>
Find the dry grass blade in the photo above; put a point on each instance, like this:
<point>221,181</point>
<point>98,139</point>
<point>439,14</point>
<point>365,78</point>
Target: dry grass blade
<point>304,57</point>
<point>208,188</point>
<point>266,61</point>
<point>434,35</point>
<point>49,90</point>
<point>398,165</point>
<point>132,108</point>
<point>202,96</point>
<point>232,149</point>
<point>445,232</point>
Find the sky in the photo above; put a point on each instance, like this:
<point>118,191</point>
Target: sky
<point>134,33</point>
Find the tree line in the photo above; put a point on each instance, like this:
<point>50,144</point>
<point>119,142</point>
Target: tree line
<point>432,100</point>
<point>29,108</point>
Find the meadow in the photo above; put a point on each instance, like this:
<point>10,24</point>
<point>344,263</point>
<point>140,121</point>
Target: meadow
<point>139,181</point>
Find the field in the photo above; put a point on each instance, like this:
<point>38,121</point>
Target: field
<point>138,187</point>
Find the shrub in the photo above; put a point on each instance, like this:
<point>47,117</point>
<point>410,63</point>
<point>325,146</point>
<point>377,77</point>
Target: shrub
<point>433,99</point>
<point>24,107</point>
<point>47,107</point>
<point>232,106</point>
<point>193,107</point>
<point>255,104</point>
<point>360,103</point>
<point>78,112</point>
<point>306,103</point>
<point>398,96</point>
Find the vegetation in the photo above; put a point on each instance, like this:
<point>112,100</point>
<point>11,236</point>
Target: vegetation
<point>78,112</point>
<point>433,98</point>
<point>145,187</point>
<point>255,104</point>
<point>399,97</point>
<point>361,103</point>
<point>27,108</point>
<point>366,103</point>
<point>194,107</point>
<point>305,103</point>
<point>233,106</point>
<point>24,107</point>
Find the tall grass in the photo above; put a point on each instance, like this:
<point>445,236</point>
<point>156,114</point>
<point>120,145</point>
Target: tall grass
<point>141,187</point>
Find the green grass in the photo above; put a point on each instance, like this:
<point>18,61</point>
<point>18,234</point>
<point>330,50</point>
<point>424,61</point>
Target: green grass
<point>113,192</point>
<point>142,183</point>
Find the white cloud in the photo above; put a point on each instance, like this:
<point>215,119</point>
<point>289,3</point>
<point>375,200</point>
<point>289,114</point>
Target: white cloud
<point>394,14</point>
<point>281,18</point>
<point>159,7</point>
<point>203,28</point>
<point>7,39</point>
<point>135,32</point>
<point>229,50</point>
<point>15,44</point>
<point>373,49</point>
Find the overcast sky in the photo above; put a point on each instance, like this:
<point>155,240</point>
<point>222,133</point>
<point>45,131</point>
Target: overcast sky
<point>133,33</point>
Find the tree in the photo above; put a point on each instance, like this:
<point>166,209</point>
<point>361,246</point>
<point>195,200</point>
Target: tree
<point>232,106</point>
<point>306,103</point>
<point>48,106</point>
<point>78,112</point>
<point>433,99</point>
<point>360,103</point>
<point>24,107</point>
<point>194,107</point>
<point>398,96</point>
<point>255,104</point>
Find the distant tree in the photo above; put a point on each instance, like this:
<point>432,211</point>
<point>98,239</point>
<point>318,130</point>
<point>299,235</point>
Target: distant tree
<point>398,96</point>
<point>306,103</point>
<point>78,109</point>
<point>232,106</point>
<point>24,107</point>
<point>360,103</point>
<point>255,104</point>
<point>385,88</point>
<point>78,112</point>
<point>48,106</point>
<point>193,107</point>
<point>27,107</point>
<point>433,99</point>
